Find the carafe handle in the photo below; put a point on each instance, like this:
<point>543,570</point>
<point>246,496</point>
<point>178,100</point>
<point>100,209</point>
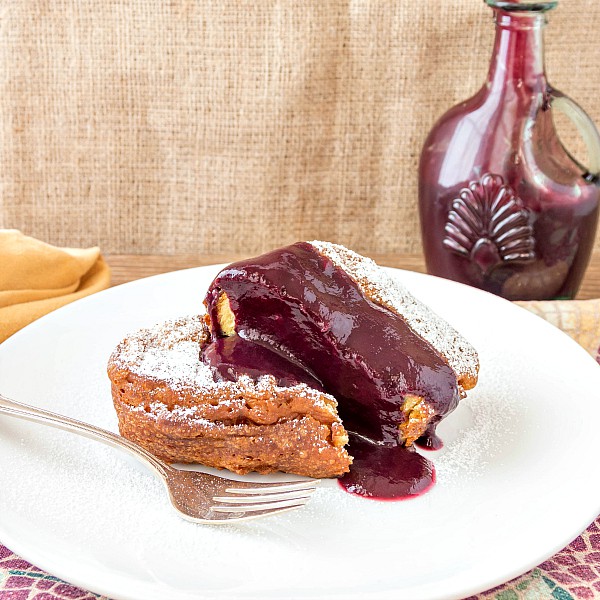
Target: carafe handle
<point>586,128</point>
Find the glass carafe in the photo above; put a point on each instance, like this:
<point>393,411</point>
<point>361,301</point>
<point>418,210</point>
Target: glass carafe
<point>503,205</point>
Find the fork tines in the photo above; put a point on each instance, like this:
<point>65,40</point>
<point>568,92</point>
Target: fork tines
<point>275,488</point>
<point>272,498</point>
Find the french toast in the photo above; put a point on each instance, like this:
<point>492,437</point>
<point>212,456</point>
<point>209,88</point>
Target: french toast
<point>297,348</point>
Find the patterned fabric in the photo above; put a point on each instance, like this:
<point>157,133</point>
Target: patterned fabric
<point>19,580</point>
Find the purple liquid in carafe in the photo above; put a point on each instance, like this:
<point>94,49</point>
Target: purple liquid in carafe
<point>503,205</point>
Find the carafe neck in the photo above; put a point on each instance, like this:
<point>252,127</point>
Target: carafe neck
<point>518,55</point>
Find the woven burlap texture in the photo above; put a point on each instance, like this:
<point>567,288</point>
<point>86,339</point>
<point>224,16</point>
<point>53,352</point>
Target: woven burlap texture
<point>235,126</point>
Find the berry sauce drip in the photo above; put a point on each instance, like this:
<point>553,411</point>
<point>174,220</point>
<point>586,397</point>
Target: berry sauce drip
<point>430,440</point>
<point>386,472</point>
<point>302,319</point>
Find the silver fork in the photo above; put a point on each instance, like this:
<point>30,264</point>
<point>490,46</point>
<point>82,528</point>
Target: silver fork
<point>196,496</point>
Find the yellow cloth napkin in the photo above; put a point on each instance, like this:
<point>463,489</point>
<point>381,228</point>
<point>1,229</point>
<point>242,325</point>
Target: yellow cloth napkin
<point>37,278</point>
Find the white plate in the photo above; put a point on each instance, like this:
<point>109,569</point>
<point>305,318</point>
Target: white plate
<point>517,478</point>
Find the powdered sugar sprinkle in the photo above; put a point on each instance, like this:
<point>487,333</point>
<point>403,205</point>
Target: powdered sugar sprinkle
<point>169,353</point>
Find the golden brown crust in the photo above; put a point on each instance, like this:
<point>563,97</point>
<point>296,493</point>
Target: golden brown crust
<point>417,416</point>
<point>301,445</point>
<point>225,315</point>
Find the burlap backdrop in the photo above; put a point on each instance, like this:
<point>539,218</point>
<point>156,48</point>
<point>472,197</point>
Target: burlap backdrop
<point>210,126</point>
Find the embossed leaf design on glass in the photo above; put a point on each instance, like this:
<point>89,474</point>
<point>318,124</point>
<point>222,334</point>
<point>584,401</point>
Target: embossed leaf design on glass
<point>488,225</point>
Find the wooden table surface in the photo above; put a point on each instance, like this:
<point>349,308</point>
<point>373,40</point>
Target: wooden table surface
<point>127,267</point>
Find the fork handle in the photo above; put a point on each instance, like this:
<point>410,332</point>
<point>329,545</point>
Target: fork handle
<point>38,415</point>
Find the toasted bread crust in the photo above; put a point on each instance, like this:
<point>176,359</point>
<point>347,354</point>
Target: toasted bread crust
<point>301,446</point>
